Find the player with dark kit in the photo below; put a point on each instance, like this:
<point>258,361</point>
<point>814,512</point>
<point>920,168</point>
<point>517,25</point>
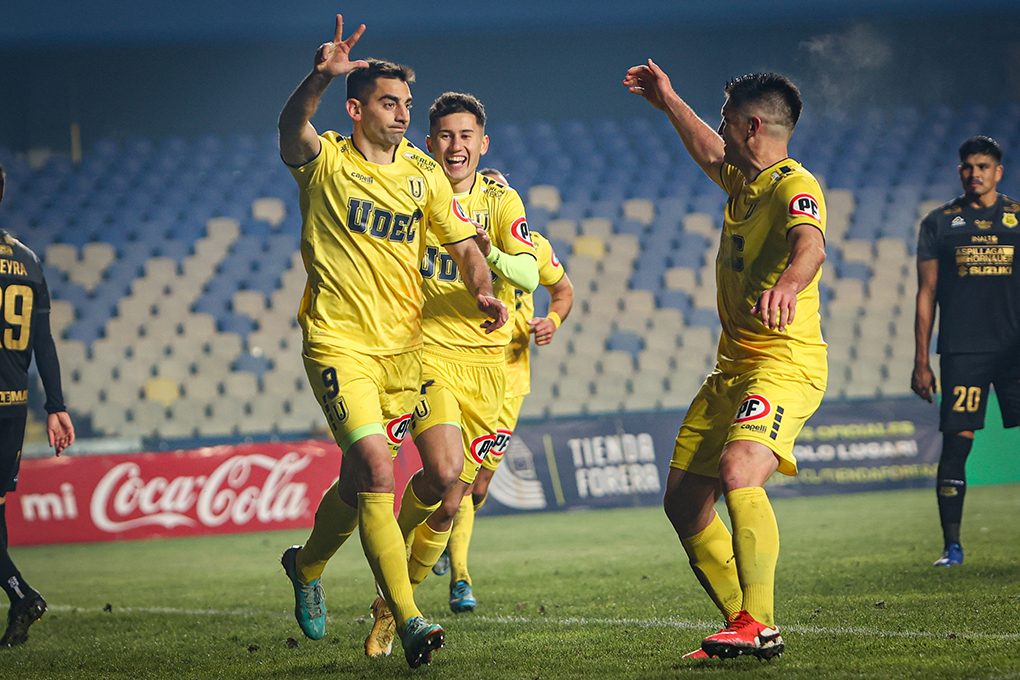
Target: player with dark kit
<point>965,264</point>
<point>24,331</point>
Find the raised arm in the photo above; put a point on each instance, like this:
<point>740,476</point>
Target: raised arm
<point>778,305</point>
<point>562,294</point>
<point>701,141</point>
<point>299,142</point>
<point>922,382</point>
<point>478,280</point>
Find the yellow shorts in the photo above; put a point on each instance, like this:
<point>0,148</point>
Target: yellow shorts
<point>462,388</point>
<point>504,430</point>
<point>364,394</point>
<point>761,405</point>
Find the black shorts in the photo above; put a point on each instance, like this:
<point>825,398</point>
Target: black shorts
<point>965,380</point>
<point>12,436</point>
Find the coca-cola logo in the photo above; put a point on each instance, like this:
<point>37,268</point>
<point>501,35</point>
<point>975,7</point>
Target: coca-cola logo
<point>124,500</point>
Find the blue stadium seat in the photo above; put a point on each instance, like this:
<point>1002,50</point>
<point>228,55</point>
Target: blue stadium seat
<point>853,270</point>
<point>258,365</point>
<point>674,299</point>
<point>626,341</point>
<point>698,316</point>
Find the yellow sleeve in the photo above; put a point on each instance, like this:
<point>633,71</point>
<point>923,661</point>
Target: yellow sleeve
<point>445,216</point>
<point>329,160</point>
<point>511,227</point>
<point>729,178</point>
<point>799,200</point>
<point>550,271</point>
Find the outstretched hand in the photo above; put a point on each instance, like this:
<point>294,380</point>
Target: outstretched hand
<point>649,81</point>
<point>333,58</point>
<point>495,310</point>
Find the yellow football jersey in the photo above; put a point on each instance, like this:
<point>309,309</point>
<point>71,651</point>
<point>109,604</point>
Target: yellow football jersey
<point>362,243</point>
<point>518,356</point>
<point>450,316</point>
<point>753,254</point>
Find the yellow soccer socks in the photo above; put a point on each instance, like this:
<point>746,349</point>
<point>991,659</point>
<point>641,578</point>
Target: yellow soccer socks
<point>756,546</point>
<point>413,513</point>
<point>711,555</point>
<point>335,521</point>
<point>460,541</point>
<point>427,546</point>
<point>384,548</point>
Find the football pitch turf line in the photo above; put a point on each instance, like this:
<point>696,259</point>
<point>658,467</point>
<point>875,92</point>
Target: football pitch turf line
<point>679,624</point>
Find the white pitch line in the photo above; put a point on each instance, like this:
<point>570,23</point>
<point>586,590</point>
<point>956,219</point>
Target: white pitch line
<point>682,624</point>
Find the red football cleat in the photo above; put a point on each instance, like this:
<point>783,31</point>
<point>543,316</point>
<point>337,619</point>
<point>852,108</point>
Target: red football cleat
<point>696,655</point>
<point>744,635</point>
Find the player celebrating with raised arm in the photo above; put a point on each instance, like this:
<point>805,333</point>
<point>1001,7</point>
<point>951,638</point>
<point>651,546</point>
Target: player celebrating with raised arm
<point>25,331</point>
<point>463,369</point>
<point>367,203</point>
<point>771,368</point>
<point>518,385</point>
<point>965,254</point>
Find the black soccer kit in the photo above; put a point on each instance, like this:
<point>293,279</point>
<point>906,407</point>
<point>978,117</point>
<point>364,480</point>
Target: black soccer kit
<point>978,295</point>
<point>24,330</point>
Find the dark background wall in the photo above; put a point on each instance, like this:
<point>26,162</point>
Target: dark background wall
<point>123,69</point>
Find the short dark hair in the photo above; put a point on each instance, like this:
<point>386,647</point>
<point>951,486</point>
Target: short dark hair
<point>774,92</point>
<point>361,81</point>
<point>456,102</point>
<point>985,146</point>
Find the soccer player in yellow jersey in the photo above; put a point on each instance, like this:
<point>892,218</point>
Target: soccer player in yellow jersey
<point>771,370</point>
<point>463,368</point>
<point>518,385</point>
<point>368,203</point>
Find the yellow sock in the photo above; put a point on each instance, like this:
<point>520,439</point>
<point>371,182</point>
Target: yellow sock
<point>426,548</point>
<point>335,521</point>
<point>711,554</point>
<point>380,537</point>
<point>412,513</point>
<point>756,547</point>
<point>460,540</point>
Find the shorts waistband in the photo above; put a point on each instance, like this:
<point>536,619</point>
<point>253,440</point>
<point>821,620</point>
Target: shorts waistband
<point>474,356</point>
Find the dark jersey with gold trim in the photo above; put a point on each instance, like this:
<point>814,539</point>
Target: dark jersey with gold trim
<point>24,300</point>
<point>978,289</point>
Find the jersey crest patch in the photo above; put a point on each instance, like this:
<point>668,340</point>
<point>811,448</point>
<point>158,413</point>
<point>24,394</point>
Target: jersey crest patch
<point>397,428</point>
<point>806,205</point>
<point>754,407</point>
<point>520,231</point>
<point>416,185</point>
<point>1009,220</point>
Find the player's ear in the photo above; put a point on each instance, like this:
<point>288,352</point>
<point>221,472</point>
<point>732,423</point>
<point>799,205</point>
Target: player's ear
<point>428,143</point>
<point>485,144</point>
<point>354,108</point>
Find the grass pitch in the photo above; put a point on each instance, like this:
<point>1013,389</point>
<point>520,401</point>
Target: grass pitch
<point>602,594</point>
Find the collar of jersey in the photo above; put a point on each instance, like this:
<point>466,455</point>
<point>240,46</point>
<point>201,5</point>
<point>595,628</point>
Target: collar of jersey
<point>396,150</point>
<point>764,178</point>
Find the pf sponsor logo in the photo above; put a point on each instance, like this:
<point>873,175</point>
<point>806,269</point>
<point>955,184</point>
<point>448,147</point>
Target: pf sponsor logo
<point>553,259</point>
<point>502,441</point>
<point>753,407</point>
<point>805,205</point>
<point>519,230</point>
<point>397,428</point>
<point>459,212</point>
<point>481,446</point>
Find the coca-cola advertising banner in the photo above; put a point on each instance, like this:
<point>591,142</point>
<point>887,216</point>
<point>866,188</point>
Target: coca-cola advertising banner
<point>219,489</point>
